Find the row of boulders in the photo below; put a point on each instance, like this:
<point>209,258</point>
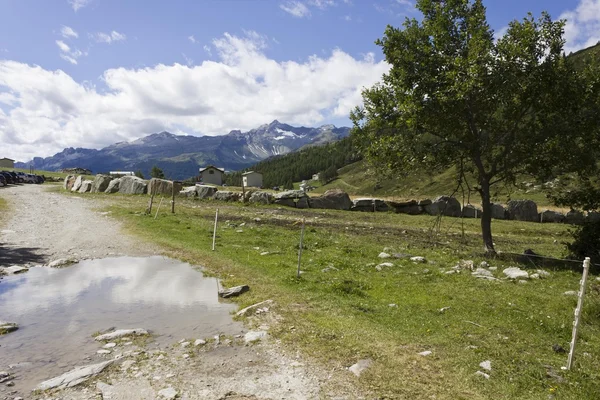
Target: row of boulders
<point>125,185</point>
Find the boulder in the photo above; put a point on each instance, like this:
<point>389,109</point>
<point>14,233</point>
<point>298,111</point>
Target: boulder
<point>290,194</point>
<point>254,336</point>
<point>121,333</point>
<point>247,194</point>
<point>160,186</point>
<point>410,207</point>
<point>101,183</point>
<point>261,198</point>
<point>515,273</point>
<point>113,186</point>
<point>77,184</point>
<point>551,216</point>
<point>205,191</point>
<point>470,211</point>
<point>189,191</point>
<point>133,185</point>
<point>226,196</point>
<point>574,217</point>
<point>333,199</point>
<point>498,211</point>
<point>13,270</point>
<point>522,210</point>
<point>69,181</point>
<point>74,377</point>
<point>7,327</point>
<point>444,205</point>
<point>363,204</point>
<point>234,291</point>
<point>285,202</point>
<point>86,186</point>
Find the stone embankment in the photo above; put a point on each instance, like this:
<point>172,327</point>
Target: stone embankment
<point>335,199</point>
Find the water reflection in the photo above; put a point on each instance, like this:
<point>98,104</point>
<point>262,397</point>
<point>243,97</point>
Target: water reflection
<point>59,309</point>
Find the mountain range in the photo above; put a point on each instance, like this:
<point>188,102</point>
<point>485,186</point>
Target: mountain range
<point>180,156</point>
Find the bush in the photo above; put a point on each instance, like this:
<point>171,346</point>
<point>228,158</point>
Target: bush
<point>586,242</point>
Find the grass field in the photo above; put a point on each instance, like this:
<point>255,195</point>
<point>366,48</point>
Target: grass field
<point>342,308</point>
<point>357,180</point>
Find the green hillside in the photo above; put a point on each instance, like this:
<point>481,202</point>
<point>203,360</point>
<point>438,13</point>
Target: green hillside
<point>582,57</point>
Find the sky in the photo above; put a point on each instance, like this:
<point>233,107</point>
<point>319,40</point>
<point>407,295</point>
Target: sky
<point>89,73</point>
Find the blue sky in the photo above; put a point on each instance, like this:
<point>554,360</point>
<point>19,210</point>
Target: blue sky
<point>92,72</point>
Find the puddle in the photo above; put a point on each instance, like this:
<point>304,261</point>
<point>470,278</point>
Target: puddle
<point>58,310</point>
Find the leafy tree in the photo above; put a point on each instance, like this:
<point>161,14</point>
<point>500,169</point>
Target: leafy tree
<point>157,173</point>
<point>328,175</point>
<point>139,174</point>
<point>494,108</point>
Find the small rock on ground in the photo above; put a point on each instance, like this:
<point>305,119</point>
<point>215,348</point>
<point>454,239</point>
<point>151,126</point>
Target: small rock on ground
<point>168,393</point>
<point>358,368</point>
<point>487,365</point>
<point>254,336</point>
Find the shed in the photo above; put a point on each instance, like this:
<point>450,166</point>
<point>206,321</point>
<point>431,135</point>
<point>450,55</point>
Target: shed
<point>212,175</point>
<point>252,179</point>
<point>7,163</point>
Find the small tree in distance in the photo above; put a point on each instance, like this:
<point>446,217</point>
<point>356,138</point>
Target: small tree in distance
<point>157,173</point>
<point>493,108</point>
<point>139,174</point>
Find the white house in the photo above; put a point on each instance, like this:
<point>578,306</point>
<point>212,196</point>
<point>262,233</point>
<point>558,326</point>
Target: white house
<point>212,175</point>
<point>252,179</point>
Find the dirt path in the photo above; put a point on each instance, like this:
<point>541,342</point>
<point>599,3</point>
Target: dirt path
<point>44,226</point>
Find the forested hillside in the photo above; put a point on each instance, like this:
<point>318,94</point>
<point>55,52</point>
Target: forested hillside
<point>300,165</point>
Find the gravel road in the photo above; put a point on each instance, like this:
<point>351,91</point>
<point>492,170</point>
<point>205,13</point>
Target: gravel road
<point>43,226</point>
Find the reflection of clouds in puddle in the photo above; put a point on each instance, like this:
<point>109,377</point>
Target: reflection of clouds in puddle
<point>153,280</point>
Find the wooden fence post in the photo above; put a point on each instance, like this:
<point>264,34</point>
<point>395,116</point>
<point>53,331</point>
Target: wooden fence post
<point>300,249</point>
<point>586,267</point>
<point>215,230</point>
<point>158,208</point>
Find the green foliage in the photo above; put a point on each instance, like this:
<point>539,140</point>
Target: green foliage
<point>493,109</point>
<point>300,165</point>
<point>586,242</point>
<point>328,175</point>
<point>157,173</point>
<point>139,174</point>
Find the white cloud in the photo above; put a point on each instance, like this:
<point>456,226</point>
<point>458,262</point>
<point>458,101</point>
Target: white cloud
<point>500,33</point>
<point>68,32</point>
<point>77,4</point>
<point>188,61</point>
<point>207,50</point>
<point>68,58</point>
<point>322,4</point>
<point>49,110</point>
<point>295,8</point>
<point>347,18</point>
<point>583,25</point>
<point>113,36</point>
<point>192,39</point>
<point>63,46</point>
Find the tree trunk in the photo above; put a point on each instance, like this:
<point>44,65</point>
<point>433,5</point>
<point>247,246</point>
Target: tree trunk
<point>486,217</point>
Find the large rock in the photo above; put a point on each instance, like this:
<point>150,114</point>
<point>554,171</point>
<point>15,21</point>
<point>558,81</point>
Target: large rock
<point>333,199</point>
<point>7,327</point>
<point>133,185</point>
<point>86,186</point>
<point>113,186</point>
<point>551,216</point>
<point>444,205</point>
<point>69,181</point>
<point>261,198</point>
<point>205,191</point>
<point>101,183</point>
<point>226,196</point>
<point>522,210</point>
<point>233,291</point>
<point>74,377</point>
<point>498,211</point>
<point>292,198</point>
<point>470,211</point>
<point>369,205</point>
<point>77,184</point>
<point>189,191</point>
<point>406,207</point>
<point>162,186</point>
<point>121,333</point>
<point>515,273</point>
<point>574,217</point>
